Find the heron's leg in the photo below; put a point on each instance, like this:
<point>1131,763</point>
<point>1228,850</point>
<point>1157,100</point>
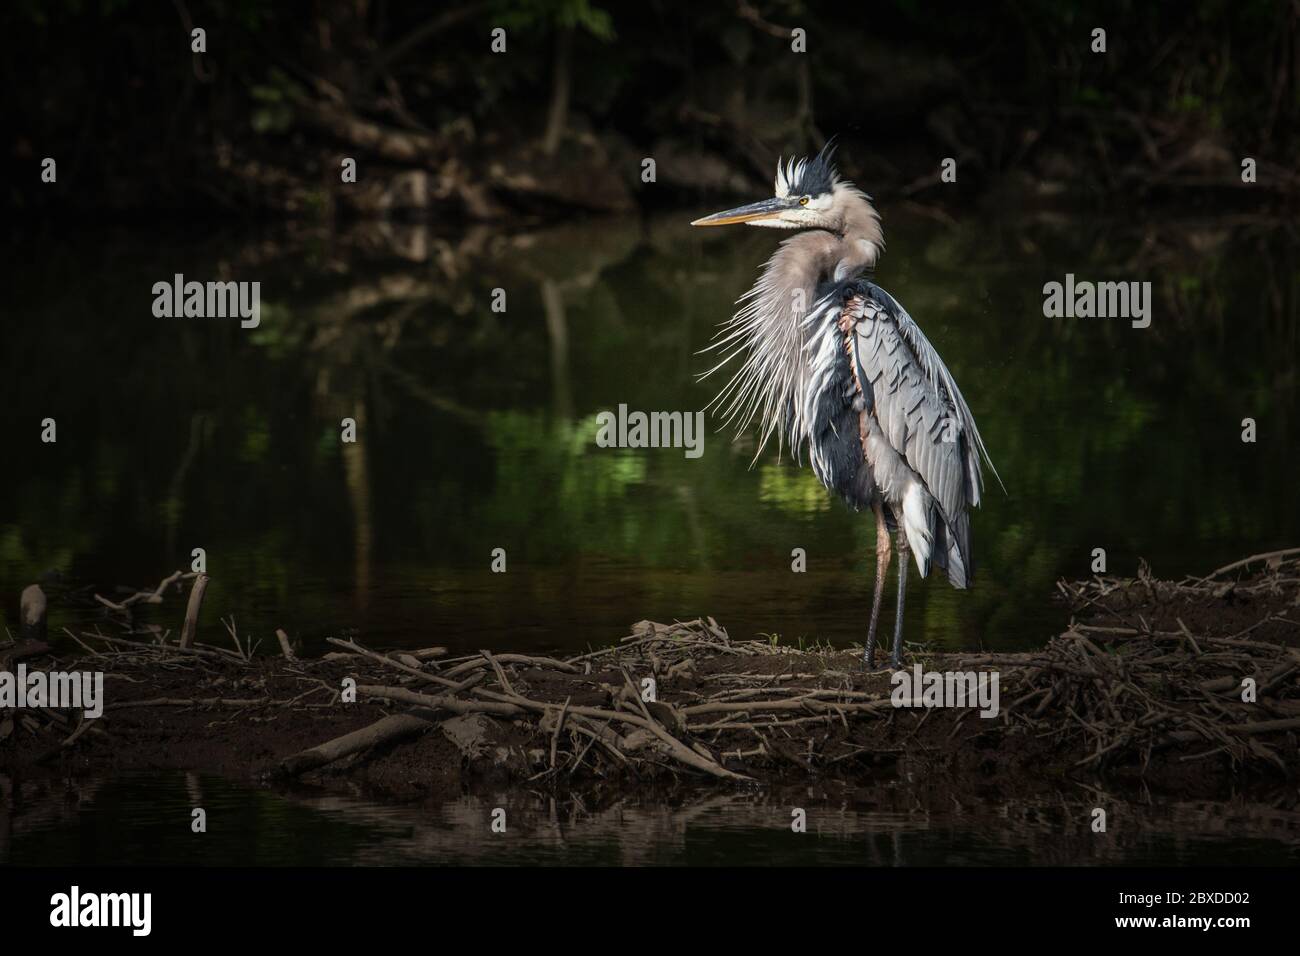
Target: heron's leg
<point>904,559</point>
<point>882,567</point>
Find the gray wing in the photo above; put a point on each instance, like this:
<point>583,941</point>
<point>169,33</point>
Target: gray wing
<point>923,417</point>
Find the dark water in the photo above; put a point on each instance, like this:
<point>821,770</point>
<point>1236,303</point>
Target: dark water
<point>145,819</point>
<point>477,431</point>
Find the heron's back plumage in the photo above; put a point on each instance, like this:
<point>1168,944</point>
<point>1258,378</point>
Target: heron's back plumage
<point>922,444</point>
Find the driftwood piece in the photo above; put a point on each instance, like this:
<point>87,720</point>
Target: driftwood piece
<point>356,648</point>
<point>392,727</point>
<point>32,610</point>
<point>192,610</point>
<point>511,659</point>
<point>146,597</point>
<point>285,648</point>
<point>445,703</point>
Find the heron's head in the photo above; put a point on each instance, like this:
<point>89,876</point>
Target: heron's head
<point>809,195</point>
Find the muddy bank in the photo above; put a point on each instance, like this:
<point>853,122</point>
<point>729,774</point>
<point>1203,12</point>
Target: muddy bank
<point>1144,687</point>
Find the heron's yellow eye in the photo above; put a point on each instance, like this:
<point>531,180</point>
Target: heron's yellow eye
<point>803,201</point>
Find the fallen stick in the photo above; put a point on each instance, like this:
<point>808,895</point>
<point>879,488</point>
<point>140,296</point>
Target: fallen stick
<point>32,611</point>
<point>512,659</point>
<point>442,702</point>
<point>808,703</point>
<point>1251,729</point>
<point>190,702</point>
<point>398,665</point>
<point>199,650</point>
<point>1266,556</point>
<point>500,672</point>
<point>285,648</point>
<point>1230,683</point>
<point>199,645</point>
<point>381,731</point>
<point>559,722</point>
<point>674,746</point>
<point>513,705</point>
<point>192,610</point>
<point>86,726</point>
<point>146,597</point>
<point>601,733</point>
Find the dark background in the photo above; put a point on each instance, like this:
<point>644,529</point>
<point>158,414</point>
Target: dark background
<point>559,124</point>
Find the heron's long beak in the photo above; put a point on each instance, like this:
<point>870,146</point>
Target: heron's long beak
<point>766,209</point>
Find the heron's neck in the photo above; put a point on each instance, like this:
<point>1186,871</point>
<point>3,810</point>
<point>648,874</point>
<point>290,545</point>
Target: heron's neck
<point>861,238</point>
<point>810,258</point>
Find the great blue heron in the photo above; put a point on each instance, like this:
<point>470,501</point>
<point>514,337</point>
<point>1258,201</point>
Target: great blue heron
<point>833,361</point>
